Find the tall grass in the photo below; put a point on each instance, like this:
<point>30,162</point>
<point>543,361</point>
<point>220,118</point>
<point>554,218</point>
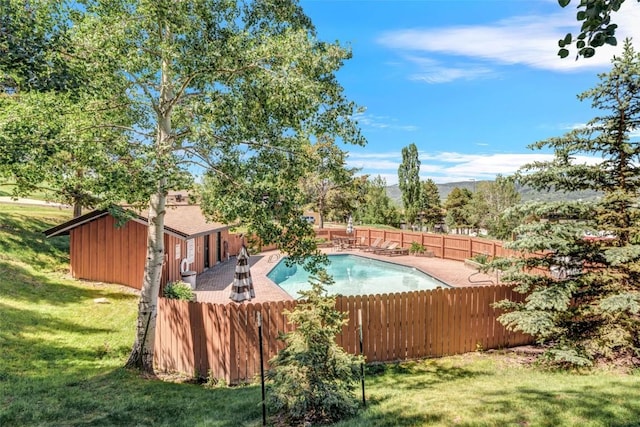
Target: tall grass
<point>61,358</point>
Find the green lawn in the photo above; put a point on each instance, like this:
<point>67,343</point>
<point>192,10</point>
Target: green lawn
<point>61,356</point>
<point>38,194</point>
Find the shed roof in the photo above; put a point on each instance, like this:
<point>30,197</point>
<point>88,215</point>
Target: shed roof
<point>183,221</point>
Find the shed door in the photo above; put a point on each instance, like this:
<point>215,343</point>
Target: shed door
<point>219,247</point>
<point>207,238</point>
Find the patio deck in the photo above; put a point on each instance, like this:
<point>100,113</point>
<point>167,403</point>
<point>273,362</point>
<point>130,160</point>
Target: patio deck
<point>214,285</point>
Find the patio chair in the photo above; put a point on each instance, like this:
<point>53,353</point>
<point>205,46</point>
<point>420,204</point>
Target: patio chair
<point>373,246</point>
<point>360,243</point>
<point>396,251</point>
<point>389,246</point>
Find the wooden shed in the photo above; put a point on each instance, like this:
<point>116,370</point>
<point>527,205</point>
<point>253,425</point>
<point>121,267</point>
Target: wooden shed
<point>102,251</point>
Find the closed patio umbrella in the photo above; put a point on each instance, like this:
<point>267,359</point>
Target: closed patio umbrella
<point>350,225</point>
<point>242,288</point>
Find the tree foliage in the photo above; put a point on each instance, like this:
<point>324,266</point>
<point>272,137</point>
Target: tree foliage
<point>430,206</point>
<point>458,208</point>
<point>490,200</point>
<point>377,207</point>
<point>349,199</point>
<point>329,182</point>
<point>36,53</point>
<point>409,182</point>
<point>313,380</point>
<point>588,307</point>
<point>48,103</point>
<point>231,90</point>
<point>597,28</point>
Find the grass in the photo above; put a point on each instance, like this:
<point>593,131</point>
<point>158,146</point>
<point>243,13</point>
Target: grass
<point>495,389</point>
<point>6,189</point>
<point>61,358</point>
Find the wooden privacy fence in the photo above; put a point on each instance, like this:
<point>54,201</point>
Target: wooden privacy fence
<point>446,246</point>
<point>221,341</point>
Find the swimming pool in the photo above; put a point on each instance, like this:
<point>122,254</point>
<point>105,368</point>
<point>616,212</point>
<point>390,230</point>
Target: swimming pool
<point>356,275</point>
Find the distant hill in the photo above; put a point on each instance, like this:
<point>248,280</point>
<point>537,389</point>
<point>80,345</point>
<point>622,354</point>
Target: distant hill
<point>526,193</point>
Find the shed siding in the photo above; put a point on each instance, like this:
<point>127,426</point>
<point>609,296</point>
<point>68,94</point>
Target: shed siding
<point>102,252</point>
<point>171,271</point>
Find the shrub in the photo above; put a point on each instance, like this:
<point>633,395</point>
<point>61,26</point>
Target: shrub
<point>417,248</point>
<point>313,380</point>
<point>178,290</point>
<point>481,259</point>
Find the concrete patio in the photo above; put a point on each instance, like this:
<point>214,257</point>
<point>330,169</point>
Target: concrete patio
<point>214,285</point>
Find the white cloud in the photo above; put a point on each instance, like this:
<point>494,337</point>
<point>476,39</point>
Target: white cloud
<point>445,167</point>
<point>527,40</point>
<point>574,126</point>
<point>432,71</point>
<point>382,122</point>
<point>389,178</point>
<point>371,155</point>
<point>373,165</point>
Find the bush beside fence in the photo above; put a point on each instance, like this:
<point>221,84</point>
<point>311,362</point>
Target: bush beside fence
<point>221,341</point>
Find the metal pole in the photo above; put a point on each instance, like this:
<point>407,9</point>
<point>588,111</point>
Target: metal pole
<point>264,406</point>
<point>364,400</point>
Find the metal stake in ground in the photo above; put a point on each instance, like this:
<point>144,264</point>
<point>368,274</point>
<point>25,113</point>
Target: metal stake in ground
<point>264,407</point>
<point>364,400</point>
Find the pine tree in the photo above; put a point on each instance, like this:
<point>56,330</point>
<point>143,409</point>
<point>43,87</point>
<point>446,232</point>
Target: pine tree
<point>581,261</point>
<point>313,380</point>
<point>458,207</point>
<point>430,206</point>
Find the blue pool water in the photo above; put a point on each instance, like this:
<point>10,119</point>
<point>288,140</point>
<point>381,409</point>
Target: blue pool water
<point>355,275</point>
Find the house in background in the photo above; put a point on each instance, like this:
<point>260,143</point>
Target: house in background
<point>102,251</point>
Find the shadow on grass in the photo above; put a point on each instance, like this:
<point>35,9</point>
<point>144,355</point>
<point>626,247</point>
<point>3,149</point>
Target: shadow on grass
<point>410,379</point>
<point>19,283</point>
<point>122,398</point>
<point>26,353</point>
<point>419,375</point>
<point>572,406</point>
<point>403,392</point>
<point>377,415</point>
<point>22,237</point>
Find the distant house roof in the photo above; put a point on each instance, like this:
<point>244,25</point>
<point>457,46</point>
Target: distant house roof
<point>181,220</point>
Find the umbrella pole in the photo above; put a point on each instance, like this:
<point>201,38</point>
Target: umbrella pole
<point>364,400</point>
<point>264,407</point>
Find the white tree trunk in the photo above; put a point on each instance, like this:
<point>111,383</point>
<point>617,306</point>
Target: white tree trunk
<point>142,353</point>
<point>143,348</point>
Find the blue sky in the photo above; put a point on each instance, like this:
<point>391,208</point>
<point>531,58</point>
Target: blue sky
<point>471,83</point>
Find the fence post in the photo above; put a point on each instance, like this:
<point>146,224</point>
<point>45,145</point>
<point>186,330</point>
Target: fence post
<point>232,322</point>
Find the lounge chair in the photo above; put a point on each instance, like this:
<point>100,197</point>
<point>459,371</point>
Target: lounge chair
<point>360,243</point>
<point>373,246</point>
<point>386,246</point>
<point>396,251</point>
